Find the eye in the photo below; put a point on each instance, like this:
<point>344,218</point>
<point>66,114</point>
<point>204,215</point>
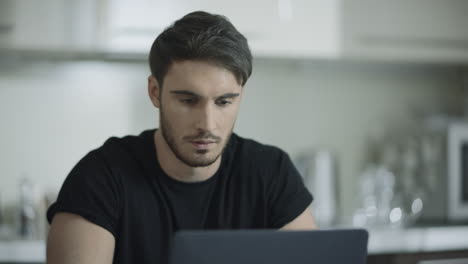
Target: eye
<point>223,102</point>
<point>188,101</point>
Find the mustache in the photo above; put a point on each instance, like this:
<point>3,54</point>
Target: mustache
<point>203,136</point>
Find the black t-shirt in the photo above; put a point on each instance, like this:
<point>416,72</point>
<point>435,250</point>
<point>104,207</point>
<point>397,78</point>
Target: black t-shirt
<point>121,187</point>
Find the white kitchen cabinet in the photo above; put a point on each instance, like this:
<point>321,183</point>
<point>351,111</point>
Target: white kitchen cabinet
<point>286,28</point>
<point>51,25</point>
<point>278,28</point>
<point>386,30</point>
<point>405,30</point>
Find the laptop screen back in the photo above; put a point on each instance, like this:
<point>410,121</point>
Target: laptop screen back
<point>268,246</point>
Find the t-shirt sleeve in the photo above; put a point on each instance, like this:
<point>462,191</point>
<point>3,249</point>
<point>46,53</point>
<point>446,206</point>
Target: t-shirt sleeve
<point>288,196</point>
<point>91,191</point>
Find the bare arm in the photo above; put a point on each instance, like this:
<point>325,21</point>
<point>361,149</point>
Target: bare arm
<point>304,221</point>
<point>74,240</point>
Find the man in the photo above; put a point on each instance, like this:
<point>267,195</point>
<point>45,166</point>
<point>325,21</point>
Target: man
<point>123,201</point>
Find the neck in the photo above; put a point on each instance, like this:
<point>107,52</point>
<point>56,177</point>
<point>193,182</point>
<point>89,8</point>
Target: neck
<point>177,169</point>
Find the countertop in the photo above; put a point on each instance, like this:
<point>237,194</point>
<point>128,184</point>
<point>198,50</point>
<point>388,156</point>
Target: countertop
<point>381,241</point>
<point>23,251</point>
<point>422,239</point>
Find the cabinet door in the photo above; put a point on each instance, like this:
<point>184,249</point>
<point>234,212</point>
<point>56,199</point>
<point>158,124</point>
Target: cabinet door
<point>55,24</point>
<point>284,28</point>
<point>278,28</point>
<point>416,30</point>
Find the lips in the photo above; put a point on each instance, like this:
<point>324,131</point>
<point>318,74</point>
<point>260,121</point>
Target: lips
<point>203,141</point>
<point>202,144</point>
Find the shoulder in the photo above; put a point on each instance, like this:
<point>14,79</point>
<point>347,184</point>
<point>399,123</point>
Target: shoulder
<point>128,143</point>
<point>255,158</point>
<point>255,151</point>
<point>117,153</point>
<point>131,146</point>
<point>107,167</point>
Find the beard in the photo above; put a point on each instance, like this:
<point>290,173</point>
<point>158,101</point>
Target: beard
<point>198,157</point>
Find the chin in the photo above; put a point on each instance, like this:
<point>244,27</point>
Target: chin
<point>197,163</point>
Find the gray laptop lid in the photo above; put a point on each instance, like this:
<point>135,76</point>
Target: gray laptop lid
<point>269,246</point>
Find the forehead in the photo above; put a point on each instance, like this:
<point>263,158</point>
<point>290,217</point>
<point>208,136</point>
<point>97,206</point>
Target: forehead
<point>201,77</point>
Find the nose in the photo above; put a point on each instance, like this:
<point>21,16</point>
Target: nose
<point>206,118</point>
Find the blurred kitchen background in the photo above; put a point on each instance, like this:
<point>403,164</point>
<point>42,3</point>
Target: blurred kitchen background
<point>362,94</point>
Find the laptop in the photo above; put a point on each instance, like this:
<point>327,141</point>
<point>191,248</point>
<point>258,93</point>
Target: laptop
<point>341,246</point>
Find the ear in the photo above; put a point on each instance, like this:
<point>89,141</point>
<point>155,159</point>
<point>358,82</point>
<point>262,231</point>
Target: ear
<point>154,91</point>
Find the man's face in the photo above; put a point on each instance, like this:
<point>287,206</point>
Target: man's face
<point>198,106</point>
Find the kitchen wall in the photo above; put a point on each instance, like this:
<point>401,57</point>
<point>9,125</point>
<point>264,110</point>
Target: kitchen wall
<point>53,112</point>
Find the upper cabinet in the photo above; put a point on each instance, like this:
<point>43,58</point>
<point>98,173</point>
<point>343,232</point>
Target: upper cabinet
<point>286,28</point>
<point>64,25</point>
<point>278,28</point>
<point>405,30</point>
<point>387,30</point>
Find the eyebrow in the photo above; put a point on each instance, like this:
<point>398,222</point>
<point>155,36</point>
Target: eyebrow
<point>189,93</point>
<point>228,95</point>
<point>184,92</point>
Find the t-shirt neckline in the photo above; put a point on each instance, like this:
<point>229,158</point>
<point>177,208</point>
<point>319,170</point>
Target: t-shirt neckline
<point>149,135</point>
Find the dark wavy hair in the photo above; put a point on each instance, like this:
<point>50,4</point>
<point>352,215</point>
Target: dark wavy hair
<point>201,36</point>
